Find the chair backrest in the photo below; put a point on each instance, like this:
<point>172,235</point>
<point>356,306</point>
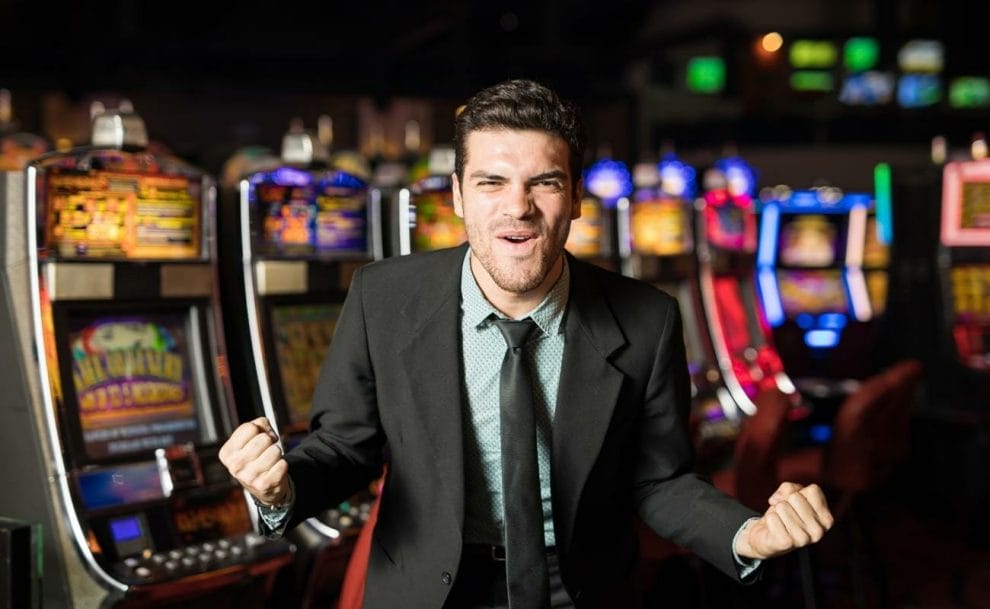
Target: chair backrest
<point>758,447</point>
<point>903,377</point>
<point>854,461</point>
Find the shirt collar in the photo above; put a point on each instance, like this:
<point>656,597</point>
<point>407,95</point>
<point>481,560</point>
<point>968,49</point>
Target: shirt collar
<point>548,315</point>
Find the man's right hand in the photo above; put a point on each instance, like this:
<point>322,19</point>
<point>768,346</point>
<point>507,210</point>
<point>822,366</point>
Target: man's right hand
<point>253,457</point>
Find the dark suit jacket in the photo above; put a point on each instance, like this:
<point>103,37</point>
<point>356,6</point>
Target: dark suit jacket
<point>620,442</point>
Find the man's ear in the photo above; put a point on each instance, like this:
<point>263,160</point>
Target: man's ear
<point>576,199</point>
<point>455,186</point>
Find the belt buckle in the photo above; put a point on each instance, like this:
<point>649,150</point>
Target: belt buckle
<point>498,553</point>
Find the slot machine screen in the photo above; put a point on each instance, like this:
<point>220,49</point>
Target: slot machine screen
<point>135,381</point>
<point>730,227</point>
<point>971,304</point>
<point>436,224</point>
<point>585,238</point>
<point>975,206</point>
<point>809,241</point>
<point>660,227</point>
<point>310,218</point>
<point>301,335</point>
<point>812,292</point>
<point>101,214</point>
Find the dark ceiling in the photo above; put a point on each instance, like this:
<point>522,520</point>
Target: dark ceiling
<point>439,48</point>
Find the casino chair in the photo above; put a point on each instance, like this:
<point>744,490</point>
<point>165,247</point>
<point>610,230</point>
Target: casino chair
<point>752,478</point>
<point>870,437</point>
<point>352,590</point>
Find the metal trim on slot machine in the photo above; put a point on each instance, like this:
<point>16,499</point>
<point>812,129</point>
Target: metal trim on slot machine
<point>121,378</point>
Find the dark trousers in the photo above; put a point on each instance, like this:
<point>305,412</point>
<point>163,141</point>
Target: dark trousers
<point>481,584</point>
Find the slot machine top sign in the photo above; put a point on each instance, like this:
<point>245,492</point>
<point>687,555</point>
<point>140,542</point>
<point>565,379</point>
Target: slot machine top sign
<point>115,201</point>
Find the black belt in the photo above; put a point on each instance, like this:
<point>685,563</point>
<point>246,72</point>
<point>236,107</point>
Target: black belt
<point>484,551</point>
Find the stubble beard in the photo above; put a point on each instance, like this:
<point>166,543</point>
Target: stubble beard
<point>521,276</point>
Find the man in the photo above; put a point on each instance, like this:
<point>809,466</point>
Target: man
<point>419,370</point>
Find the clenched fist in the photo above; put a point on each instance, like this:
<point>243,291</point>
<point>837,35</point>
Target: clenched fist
<point>798,516</point>
<point>254,458</point>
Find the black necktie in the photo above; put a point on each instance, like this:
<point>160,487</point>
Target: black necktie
<point>525,554</point>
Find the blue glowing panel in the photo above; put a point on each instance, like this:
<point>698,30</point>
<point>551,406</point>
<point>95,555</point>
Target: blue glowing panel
<point>739,176</point>
<point>676,178</point>
<point>919,90</point>
<point>820,434</point>
<point>832,321</point>
<point>608,180</point>
<point>125,529</point>
<point>821,339</point>
<point>805,321</point>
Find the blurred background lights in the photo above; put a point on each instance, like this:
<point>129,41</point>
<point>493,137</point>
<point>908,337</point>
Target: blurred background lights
<point>772,42</point>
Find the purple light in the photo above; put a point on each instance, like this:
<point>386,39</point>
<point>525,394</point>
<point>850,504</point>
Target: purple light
<point>608,180</point>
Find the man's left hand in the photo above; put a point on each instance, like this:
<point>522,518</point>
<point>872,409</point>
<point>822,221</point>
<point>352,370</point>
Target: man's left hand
<point>798,516</point>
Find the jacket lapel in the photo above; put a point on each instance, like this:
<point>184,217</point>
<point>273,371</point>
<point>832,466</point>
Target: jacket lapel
<point>586,398</point>
<point>433,364</point>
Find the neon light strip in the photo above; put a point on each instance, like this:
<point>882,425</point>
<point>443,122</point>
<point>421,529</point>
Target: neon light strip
<point>883,193</point>
<point>859,297</point>
<point>706,282</point>
<point>770,296</point>
<point>856,237</point>
<point>405,227</point>
<point>769,223</point>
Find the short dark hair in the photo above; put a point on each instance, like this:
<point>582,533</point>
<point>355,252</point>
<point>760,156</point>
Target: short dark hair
<point>525,105</point>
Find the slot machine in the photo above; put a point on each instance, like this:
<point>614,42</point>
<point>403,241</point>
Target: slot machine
<point>727,239</point>
<point>594,235</point>
<point>118,388</point>
<point>426,217</point>
<point>964,274</point>
<point>660,249</point>
<point>814,292</point>
<point>292,237</point>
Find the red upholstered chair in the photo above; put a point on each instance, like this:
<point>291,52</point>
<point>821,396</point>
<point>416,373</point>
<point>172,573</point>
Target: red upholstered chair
<point>352,590</point>
<point>753,475</point>
<point>903,377</point>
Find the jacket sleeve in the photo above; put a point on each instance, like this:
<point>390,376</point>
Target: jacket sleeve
<point>674,501</point>
<point>343,451</point>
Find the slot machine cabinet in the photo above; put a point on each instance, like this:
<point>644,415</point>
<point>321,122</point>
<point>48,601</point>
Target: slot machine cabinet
<point>964,271</point>
<point>292,237</point>
<point>659,248</point>
<point>122,397</point>
<point>727,240</point>
<point>814,292</point>
<point>594,236</point>
<point>426,216</point>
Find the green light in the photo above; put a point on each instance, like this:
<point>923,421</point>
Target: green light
<point>813,54</point>
<point>810,80</point>
<point>861,54</point>
<point>969,92</point>
<point>706,74</point>
<point>882,186</point>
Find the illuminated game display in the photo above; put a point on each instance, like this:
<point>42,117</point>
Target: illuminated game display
<point>301,334</point>
<point>426,216</point>
<point>304,213</point>
<point>660,217</point>
<point>102,214</point>
<point>133,382</point>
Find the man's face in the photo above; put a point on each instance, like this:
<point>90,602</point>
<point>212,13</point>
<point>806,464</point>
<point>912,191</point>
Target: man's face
<point>517,203</point>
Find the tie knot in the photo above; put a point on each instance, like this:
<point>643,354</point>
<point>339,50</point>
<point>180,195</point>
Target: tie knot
<point>515,332</point>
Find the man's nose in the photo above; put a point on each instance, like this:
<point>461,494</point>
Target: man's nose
<point>518,202</point>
